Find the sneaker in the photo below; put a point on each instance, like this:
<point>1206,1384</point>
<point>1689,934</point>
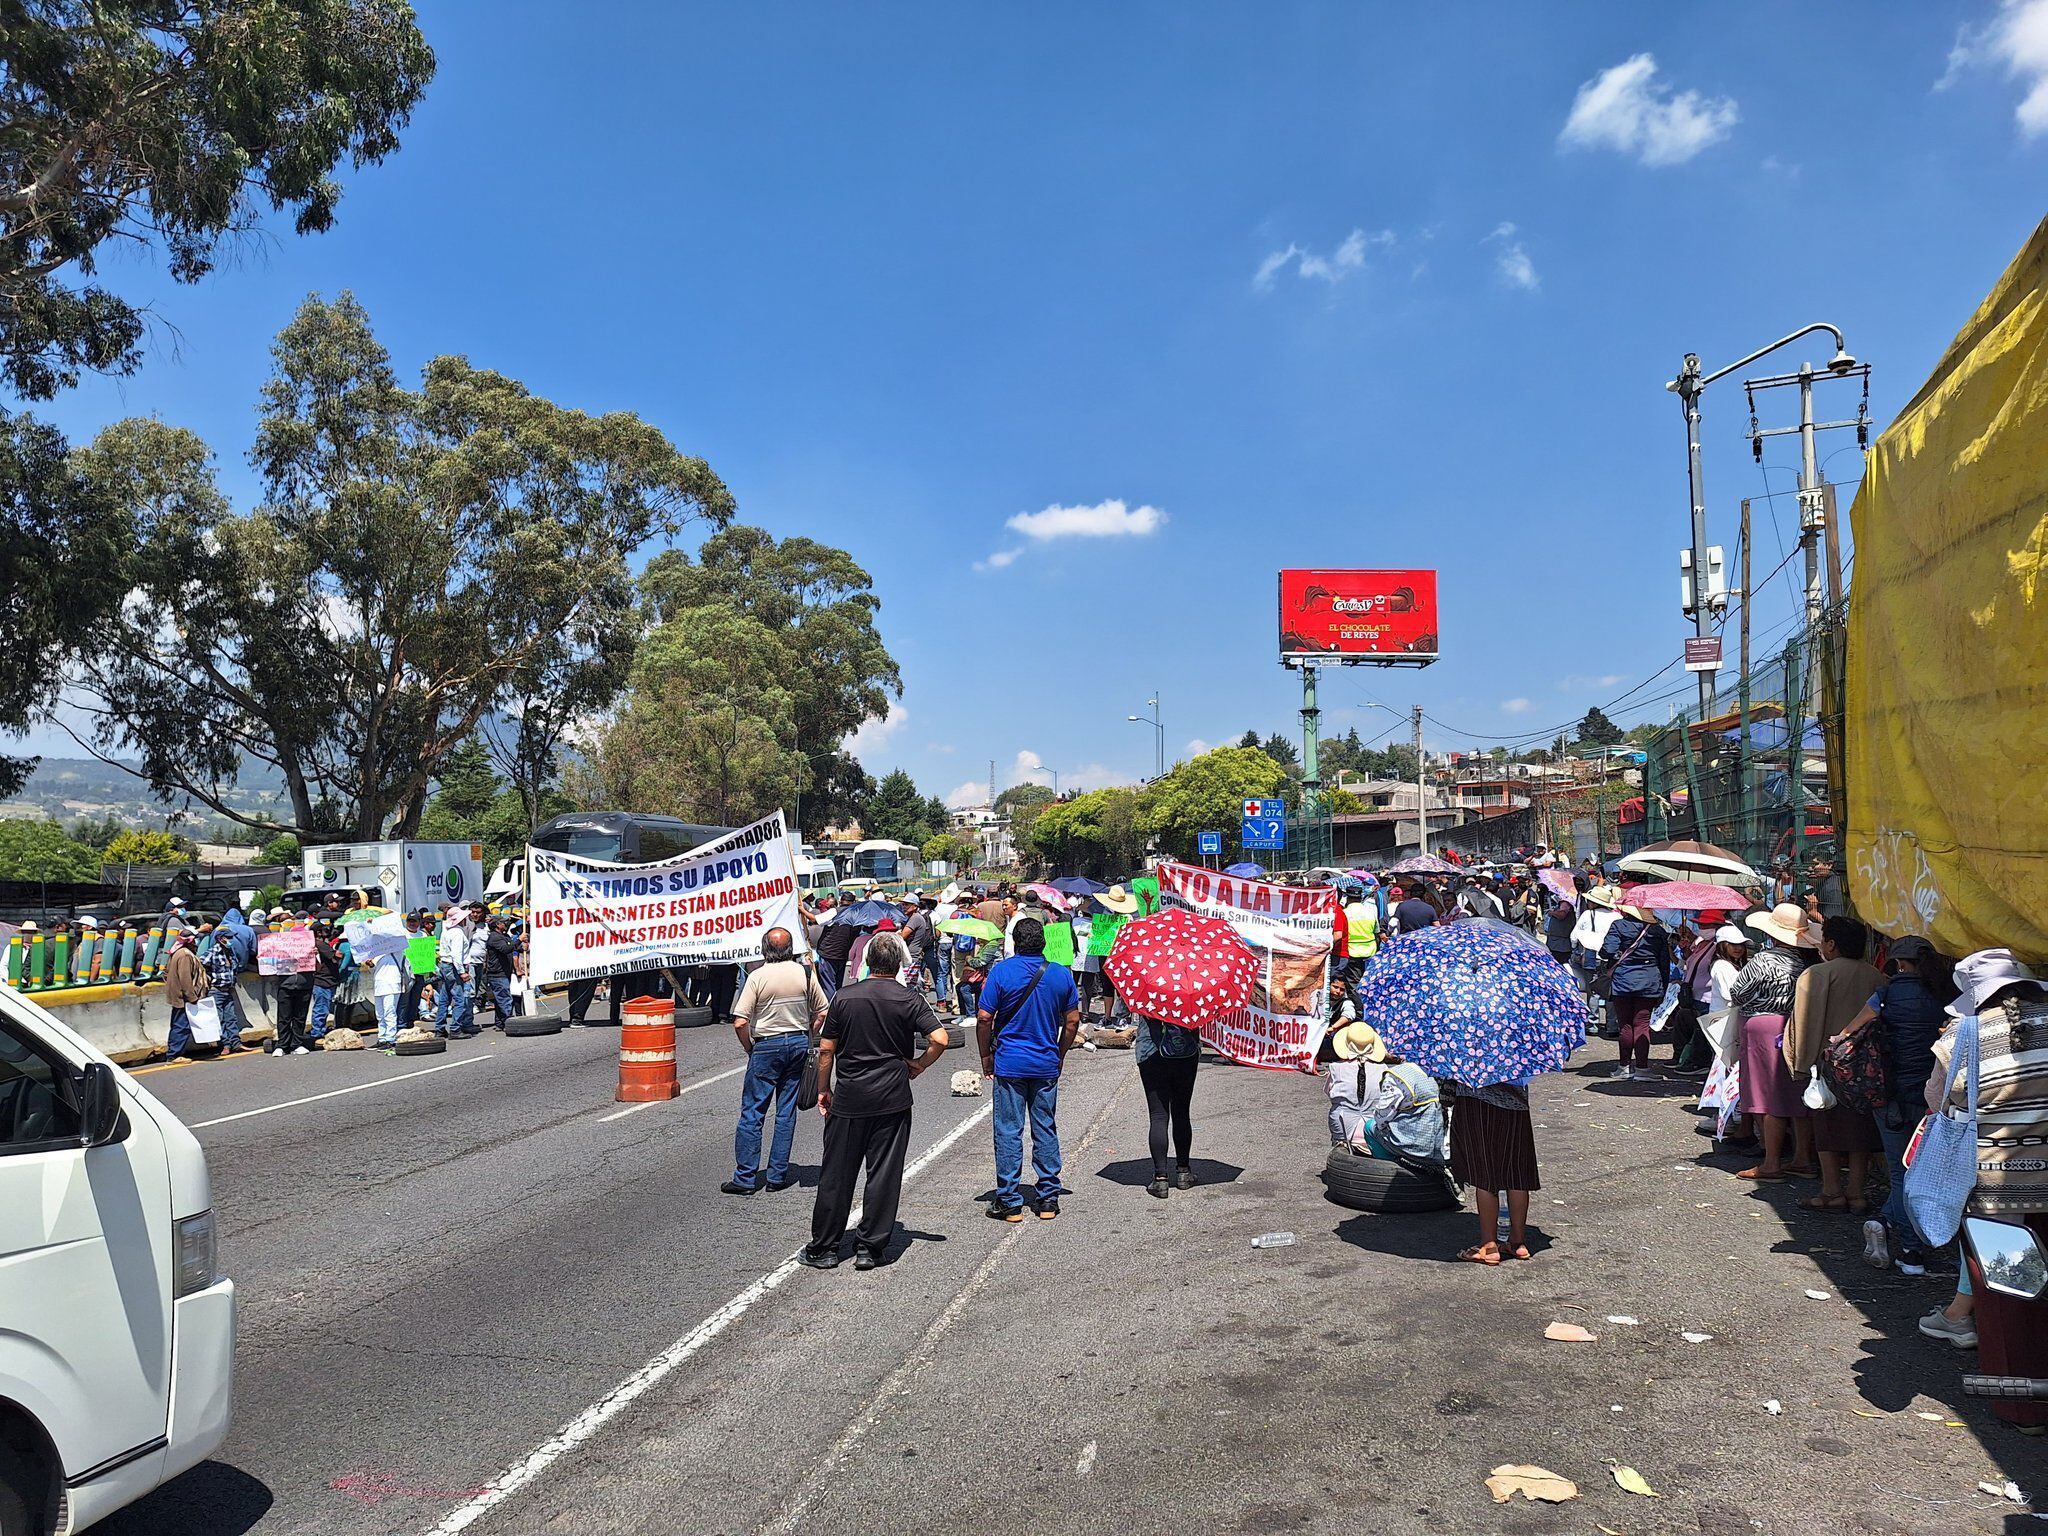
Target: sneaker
<point>300,1051</point>
<point>1877,1252</point>
<point>1005,1212</point>
<point>1960,1332</point>
<point>777,1186</point>
<point>1910,1265</point>
<point>732,1187</point>
<point>1184,1179</point>
<point>862,1259</point>
<point>1157,1188</point>
<point>1620,1075</point>
<point>1047,1209</point>
<point>818,1260</point>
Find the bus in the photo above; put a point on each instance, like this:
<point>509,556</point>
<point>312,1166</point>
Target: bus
<point>885,862</point>
<point>622,837</point>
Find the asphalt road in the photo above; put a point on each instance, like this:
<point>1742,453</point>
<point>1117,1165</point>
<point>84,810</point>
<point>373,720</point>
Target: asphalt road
<point>479,1298</point>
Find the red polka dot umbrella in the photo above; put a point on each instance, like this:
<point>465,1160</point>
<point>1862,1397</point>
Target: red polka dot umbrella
<point>1179,966</point>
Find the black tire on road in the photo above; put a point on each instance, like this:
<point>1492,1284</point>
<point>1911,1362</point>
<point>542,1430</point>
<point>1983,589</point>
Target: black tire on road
<point>419,1047</point>
<point>692,1018</point>
<point>521,1024</point>
<point>1375,1184</point>
<point>27,1493</point>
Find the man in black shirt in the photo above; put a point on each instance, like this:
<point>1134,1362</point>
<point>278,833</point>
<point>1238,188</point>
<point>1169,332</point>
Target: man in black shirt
<point>834,945</point>
<point>502,962</point>
<point>864,1075</point>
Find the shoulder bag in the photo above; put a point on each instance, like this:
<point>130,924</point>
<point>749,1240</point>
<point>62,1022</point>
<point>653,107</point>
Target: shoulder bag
<point>1602,984</point>
<point>1011,1010</point>
<point>808,1085</point>
<point>1942,1171</point>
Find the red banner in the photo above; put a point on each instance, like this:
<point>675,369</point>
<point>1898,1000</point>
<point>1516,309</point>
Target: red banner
<point>1374,614</point>
<point>1291,929</point>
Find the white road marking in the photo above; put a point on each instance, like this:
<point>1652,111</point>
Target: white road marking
<point>315,1098</point>
<point>702,1082</point>
<point>598,1414</point>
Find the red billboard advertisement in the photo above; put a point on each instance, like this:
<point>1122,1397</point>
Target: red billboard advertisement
<point>1372,615</point>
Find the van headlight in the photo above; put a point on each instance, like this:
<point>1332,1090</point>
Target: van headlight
<point>193,1266</point>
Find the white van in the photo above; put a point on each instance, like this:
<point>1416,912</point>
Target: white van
<point>117,1336</point>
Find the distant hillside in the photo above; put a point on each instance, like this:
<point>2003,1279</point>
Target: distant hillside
<point>71,787</point>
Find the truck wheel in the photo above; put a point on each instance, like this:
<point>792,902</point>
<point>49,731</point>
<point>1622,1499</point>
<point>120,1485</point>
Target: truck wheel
<point>692,1018</point>
<point>419,1047</point>
<point>524,1024</point>
<point>27,1494</point>
<point>1374,1184</point>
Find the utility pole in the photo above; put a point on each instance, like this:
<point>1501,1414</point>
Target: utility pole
<point>1689,385</point>
<point>1811,513</point>
<point>1421,794</point>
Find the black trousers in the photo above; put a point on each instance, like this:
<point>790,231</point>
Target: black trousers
<point>1169,1091</point>
<point>292,1003</point>
<point>877,1142</point>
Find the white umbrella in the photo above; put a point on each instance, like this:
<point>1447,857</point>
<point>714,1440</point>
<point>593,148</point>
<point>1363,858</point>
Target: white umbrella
<point>1688,860</point>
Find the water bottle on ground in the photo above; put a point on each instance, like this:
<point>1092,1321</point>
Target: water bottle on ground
<point>1273,1240</point>
<point>1501,1230</point>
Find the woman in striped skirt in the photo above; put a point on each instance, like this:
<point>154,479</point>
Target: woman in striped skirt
<point>1493,1149</point>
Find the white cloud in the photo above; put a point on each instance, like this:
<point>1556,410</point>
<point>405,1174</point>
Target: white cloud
<point>874,732</point>
<point>1349,257</point>
<point>1104,520</point>
<point>1771,165</point>
<point>2018,39</point>
<point>973,792</point>
<point>943,748</point>
<point>1515,706</point>
<point>1196,747</point>
<point>1579,683</point>
<point>1092,776</point>
<point>1627,110</point>
<point>1511,263</point>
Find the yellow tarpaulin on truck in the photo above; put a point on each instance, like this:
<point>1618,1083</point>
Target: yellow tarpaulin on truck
<point>1946,724</point>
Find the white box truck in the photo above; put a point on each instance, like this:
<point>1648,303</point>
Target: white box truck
<point>117,1332</point>
<point>401,875</point>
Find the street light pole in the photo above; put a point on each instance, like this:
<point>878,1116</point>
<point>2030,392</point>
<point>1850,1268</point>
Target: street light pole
<point>1041,768</point>
<point>1159,729</point>
<point>1688,386</point>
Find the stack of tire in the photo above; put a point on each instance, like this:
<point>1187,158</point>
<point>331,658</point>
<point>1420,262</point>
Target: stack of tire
<point>1378,1184</point>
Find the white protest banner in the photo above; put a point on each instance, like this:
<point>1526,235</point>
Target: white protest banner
<point>591,918</point>
<point>1291,929</point>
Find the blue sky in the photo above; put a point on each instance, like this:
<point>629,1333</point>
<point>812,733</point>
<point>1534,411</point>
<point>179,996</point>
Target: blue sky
<point>903,273</point>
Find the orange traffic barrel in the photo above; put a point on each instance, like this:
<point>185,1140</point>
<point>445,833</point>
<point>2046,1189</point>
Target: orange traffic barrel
<point>647,1050</point>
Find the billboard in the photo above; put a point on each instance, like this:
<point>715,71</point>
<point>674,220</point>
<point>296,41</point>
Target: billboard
<point>1370,615</point>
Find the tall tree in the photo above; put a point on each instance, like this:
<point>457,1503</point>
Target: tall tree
<point>897,811</point>
<point>1281,750</point>
<point>1094,834</point>
<point>819,604</point>
<point>350,633</point>
<point>1018,795</point>
<point>1248,739</point>
<point>1206,793</point>
<point>173,124</point>
<point>63,547</point>
<point>1597,730</point>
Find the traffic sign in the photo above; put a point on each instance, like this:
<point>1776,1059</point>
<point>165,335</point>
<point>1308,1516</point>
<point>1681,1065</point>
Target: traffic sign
<point>1265,824</point>
<point>1207,843</point>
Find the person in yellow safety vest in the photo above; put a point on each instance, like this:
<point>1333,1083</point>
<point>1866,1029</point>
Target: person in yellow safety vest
<point>1360,940</point>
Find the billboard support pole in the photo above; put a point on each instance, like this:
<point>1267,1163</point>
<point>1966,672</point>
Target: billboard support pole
<point>1312,851</point>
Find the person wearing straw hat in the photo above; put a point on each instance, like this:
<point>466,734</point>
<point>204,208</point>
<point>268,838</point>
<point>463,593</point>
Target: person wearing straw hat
<point>1762,997</point>
<point>1636,959</point>
<point>1118,906</point>
<point>1382,1105</point>
<point>1596,916</point>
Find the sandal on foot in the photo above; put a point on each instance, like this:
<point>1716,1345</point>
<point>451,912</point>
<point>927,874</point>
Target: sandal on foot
<point>1762,1175</point>
<point>1823,1203</point>
<point>1480,1253</point>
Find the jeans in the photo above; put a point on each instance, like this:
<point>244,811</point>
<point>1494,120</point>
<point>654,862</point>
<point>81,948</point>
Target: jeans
<point>828,976</point>
<point>775,1067</point>
<point>389,1007</point>
<point>323,1006</point>
<point>1018,1099</point>
<point>230,1016</point>
<point>1905,1236</point>
<point>501,997</point>
<point>938,965</point>
<point>181,1034</point>
<point>450,995</point>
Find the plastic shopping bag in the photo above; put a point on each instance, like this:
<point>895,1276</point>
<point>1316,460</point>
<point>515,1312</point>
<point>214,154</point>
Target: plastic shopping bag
<point>1818,1095</point>
<point>204,1019</point>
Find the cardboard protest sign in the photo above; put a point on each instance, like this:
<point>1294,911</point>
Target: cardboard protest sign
<point>592,918</point>
<point>1291,929</point>
<point>286,953</point>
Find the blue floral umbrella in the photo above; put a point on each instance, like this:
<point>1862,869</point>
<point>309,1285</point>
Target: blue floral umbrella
<point>1479,1001</point>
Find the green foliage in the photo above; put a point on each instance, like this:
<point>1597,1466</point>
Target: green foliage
<point>1206,793</point>
<point>474,805</point>
<point>1281,750</point>
<point>960,852</point>
<point>267,896</point>
<point>97,831</point>
<point>419,555</point>
<point>1019,795</point>
<point>897,811</point>
<point>1248,739</point>
<point>39,850</point>
<point>1597,730</point>
<point>1341,802</point>
<point>172,126</point>
<point>809,612</point>
<point>64,543</point>
<point>281,849</point>
<point>1095,834</point>
<point>146,848</point>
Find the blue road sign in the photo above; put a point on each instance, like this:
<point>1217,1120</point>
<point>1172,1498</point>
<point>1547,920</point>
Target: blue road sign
<point>1208,842</point>
<point>1265,824</point>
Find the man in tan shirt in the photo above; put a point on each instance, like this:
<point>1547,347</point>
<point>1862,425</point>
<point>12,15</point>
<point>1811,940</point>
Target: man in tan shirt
<point>779,1010</point>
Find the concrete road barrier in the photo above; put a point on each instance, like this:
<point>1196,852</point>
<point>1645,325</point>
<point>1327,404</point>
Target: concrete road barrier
<point>132,1023</point>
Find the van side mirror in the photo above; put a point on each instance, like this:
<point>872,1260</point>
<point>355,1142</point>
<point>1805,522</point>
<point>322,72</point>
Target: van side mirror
<point>99,1104</point>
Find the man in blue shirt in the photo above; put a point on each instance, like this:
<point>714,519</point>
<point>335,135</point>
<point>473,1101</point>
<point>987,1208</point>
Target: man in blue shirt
<point>1028,1015</point>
